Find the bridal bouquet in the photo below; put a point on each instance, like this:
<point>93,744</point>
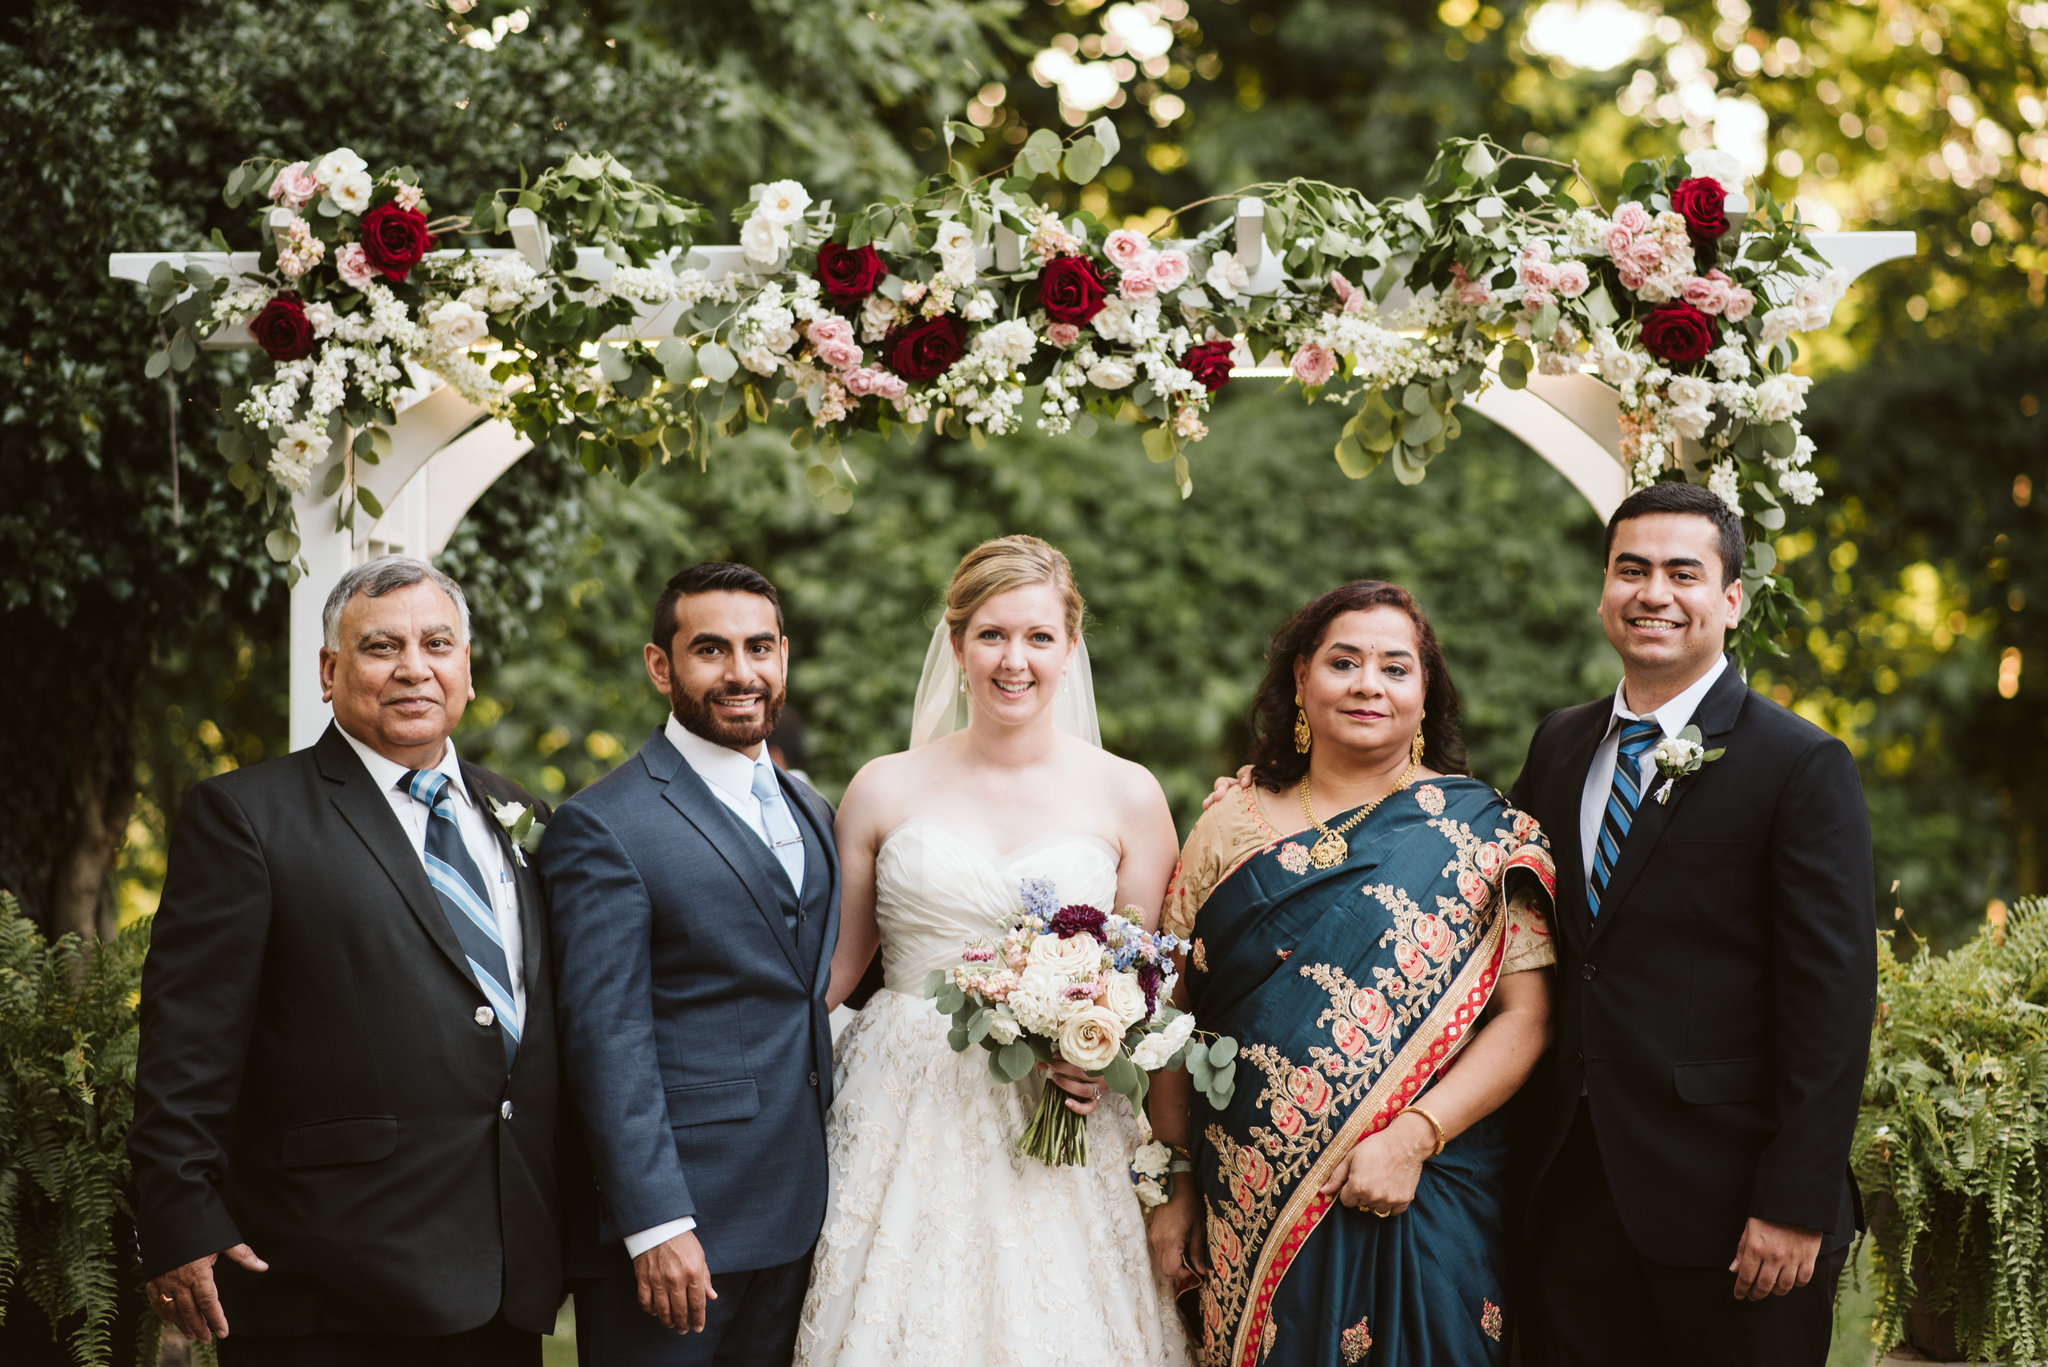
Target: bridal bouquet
<point>1085,986</point>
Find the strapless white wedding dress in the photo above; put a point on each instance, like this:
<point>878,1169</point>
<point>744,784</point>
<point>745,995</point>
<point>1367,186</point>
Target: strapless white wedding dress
<point>942,1243</point>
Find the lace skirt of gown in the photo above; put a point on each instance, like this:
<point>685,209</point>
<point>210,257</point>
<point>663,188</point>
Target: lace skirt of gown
<point>945,1245</point>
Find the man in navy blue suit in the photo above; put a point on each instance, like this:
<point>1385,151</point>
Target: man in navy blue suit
<point>695,904</point>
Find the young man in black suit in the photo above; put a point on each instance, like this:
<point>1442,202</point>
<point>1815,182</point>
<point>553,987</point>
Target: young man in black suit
<point>1688,1136</point>
<point>344,1137</point>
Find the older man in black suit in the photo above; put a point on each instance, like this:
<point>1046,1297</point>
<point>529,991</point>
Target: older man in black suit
<point>344,1137</point>
<point>1716,946</point>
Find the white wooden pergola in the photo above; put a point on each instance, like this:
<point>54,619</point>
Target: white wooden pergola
<point>445,452</point>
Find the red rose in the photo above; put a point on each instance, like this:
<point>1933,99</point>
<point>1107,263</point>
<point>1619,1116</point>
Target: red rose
<point>1701,201</point>
<point>281,329</point>
<point>1679,333</point>
<point>926,350</point>
<point>394,239</point>
<point>1070,290</point>
<point>849,275</point>
<point>1210,363</point>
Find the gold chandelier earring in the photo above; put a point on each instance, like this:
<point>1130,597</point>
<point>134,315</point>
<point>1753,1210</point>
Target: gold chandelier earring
<point>1415,746</point>
<point>1302,738</point>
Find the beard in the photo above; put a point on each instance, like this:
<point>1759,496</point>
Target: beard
<point>699,715</point>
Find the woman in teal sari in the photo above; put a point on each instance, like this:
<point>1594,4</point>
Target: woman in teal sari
<point>1363,917</point>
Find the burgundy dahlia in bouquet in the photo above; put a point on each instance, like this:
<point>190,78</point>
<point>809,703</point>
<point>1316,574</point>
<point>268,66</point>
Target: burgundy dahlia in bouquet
<point>1083,986</point>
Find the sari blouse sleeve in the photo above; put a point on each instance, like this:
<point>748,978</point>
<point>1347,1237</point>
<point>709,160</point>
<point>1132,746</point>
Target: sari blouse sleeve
<point>1225,836</point>
<point>1529,943</point>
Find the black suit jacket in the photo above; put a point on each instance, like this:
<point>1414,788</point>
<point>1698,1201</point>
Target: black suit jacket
<point>1718,1011</point>
<point>313,1080</point>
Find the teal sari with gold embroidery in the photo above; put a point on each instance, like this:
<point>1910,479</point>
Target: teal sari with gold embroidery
<point>1350,990</point>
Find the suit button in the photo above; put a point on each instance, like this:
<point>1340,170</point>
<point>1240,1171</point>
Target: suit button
<point>485,1016</point>
<point>505,1109</point>
<point>814,1077</point>
<point>1588,972</point>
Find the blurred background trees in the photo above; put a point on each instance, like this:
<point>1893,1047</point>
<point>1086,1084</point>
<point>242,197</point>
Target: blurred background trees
<point>148,626</point>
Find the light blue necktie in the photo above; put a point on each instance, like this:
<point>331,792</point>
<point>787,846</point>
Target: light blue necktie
<point>1622,799</point>
<point>783,836</point>
<point>459,884</point>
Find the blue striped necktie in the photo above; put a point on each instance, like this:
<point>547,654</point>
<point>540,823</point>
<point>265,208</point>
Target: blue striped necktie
<point>465,899</point>
<point>1622,799</point>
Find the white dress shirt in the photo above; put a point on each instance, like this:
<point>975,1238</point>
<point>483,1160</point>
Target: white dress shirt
<point>730,776</point>
<point>1673,717</point>
<point>479,837</point>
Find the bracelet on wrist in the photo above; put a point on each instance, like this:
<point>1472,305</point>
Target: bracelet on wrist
<point>1435,1125</point>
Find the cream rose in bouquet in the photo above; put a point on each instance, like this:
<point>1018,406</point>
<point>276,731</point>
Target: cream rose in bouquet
<point>1083,986</point>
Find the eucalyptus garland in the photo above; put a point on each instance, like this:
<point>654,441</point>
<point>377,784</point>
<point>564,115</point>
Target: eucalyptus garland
<point>968,305</point>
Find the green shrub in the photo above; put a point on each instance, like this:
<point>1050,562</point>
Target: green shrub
<point>1952,1143</point>
<point>67,1093</point>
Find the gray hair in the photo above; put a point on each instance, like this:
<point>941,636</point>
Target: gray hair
<point>383,575</point>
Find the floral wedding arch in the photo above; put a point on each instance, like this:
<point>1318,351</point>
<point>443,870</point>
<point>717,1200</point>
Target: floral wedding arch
<point>397,382</point>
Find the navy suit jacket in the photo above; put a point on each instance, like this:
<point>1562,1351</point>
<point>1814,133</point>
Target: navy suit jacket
<point>696,1044</point>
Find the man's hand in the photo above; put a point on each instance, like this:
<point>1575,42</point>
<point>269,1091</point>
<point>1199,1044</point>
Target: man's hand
<point>184,1297</point>
<point>1225,786</point>
<point>675,1283</point>
<point>1180,1244</point>
<point>1773,1259</point>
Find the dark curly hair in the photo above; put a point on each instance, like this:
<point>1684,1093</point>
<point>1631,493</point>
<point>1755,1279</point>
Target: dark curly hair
<point>1275,764</point>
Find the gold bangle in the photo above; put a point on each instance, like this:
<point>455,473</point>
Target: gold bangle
<point>1434,1125</point>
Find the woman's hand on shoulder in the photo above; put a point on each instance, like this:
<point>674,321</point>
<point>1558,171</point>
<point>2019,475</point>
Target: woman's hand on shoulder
<point>1228,785</point>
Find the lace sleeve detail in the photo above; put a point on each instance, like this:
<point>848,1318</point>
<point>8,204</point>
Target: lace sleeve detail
<point>1225,836</point>
<point>1529,943</point>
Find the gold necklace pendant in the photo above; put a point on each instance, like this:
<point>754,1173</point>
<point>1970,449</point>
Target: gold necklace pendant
<point>1330,851</point>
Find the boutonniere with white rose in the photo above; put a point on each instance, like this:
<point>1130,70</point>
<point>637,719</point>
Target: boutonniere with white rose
<point>1679,755</point>
<point>516,818</point>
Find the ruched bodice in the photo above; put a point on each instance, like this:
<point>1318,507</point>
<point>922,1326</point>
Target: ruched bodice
<point>936,889</point>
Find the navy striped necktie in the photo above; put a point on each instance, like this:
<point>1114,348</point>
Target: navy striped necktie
<point>465,900</point>
<point>1623,797</point>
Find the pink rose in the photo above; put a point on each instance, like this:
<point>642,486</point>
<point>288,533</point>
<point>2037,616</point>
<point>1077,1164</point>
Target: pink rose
<point>1138,281</point>
<point>1738,304</point>
<point>354,264</point>
<point>832,339</point>
<point>1314,364</point>
<point>1632,277</point>
<point>1618,241</point>
<point>1572,280</point>
<point>1633,217</point>
<point>1171,269</point>
<point>1126,248</point>
<point>860,381</point>
<point>294,187</point>
<point>1707,295</point>
<point>1538,275</point>
<point>1469,291</point>
<point>1348,294</point>
<point>1063,334</point>
<point>1536,300</point>
<point>1646,255</point>
<point>1536,251</point>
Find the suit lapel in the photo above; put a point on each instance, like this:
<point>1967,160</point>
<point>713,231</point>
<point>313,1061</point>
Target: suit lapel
<point>1715,716</point>
<point>742,850</point>
<point>356,796</point>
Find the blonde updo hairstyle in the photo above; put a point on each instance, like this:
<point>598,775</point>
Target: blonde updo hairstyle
<point>1006,563</point>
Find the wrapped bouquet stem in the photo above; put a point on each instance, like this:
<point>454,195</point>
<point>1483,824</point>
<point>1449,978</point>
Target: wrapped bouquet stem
<point>1082,986</point>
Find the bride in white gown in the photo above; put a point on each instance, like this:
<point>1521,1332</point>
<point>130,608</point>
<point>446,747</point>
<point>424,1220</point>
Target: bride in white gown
<point>942,1243</point>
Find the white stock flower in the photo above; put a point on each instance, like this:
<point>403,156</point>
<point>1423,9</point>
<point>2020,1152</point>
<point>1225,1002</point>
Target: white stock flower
<point>1726,482</point>
<point>1715,164</point>
<point>1038,1001</point>
<point>763,241</point>
<point>1013,341</point>
<point>1090,1038</point>
<point>980,308</point>
<point>456,325</point>
<point>1124,997</point>
<point>1729,361</point>
<point>1676,752</point>
<point>782,202</point>
<point>1111,373</point>
<point>340,162</point>
<point>1801,486</point>
<point>955,246</point>
<point>350,192</point>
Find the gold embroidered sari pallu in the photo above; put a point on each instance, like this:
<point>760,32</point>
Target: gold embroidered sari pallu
<point>1350,990</point>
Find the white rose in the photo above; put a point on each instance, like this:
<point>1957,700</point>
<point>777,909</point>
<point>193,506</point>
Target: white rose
<point>1090,1038</point>
<point>1715,164</point>
<point>782,203</point>
<point>1781,396</point>
<point>1111,373</point>
<point>955,247</point>
<point>1690,391</point>
<point>1077,956</point>
<point>457,325</point>
<point>320,316</point>
<point>1156,1048</point>
<point>1151,1159</point>
<point>292,459</point>
<point>1126,998</point>
<point>1690,420</point>
<point>1150,1193</point>
<point>340,162</point>
<point>1675,752</point>
<point>1227,276</point>
<point>1620,368</point>
<point>980,308</point>
<point>1002,1029</point>
<point>1013,341</point>
<point>763,240</point>
<point>350,192</point>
